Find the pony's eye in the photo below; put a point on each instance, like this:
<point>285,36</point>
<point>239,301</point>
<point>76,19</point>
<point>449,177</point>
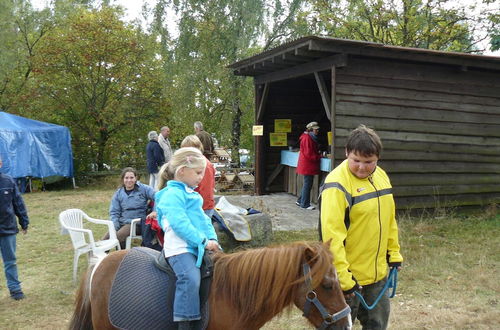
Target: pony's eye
<point>327,286</point>
<point>327,283</point>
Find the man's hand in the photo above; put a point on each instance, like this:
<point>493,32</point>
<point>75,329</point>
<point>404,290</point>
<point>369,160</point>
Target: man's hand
<point>24,231</point>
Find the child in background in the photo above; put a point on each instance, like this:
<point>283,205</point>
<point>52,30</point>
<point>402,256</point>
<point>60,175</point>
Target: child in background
<point>188,230</point>
<point>206,186</point>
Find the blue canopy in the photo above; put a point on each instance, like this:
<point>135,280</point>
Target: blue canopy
<point>34,148</point>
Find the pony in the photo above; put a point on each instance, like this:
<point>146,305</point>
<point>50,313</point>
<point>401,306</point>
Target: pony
<point>248,288</point>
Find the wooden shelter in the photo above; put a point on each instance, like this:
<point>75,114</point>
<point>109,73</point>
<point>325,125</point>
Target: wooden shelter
<point>438,114</point>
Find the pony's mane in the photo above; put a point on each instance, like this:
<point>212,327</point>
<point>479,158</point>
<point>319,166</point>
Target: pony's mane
<point>262,282</point>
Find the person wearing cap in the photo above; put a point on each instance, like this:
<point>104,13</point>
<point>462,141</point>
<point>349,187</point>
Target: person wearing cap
<point>309,163</point>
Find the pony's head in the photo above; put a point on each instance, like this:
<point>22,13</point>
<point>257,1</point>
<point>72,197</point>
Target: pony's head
<point>319,294</point>
<point>255,285</point>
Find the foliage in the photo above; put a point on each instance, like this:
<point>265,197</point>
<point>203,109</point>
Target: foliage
<point>22,29</point>
<point>100,77</point>
<point>211,36</point>
<point>77,63</point>
<point>411,23</point>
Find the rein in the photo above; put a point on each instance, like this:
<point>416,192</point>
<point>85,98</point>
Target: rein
<point>392,281</point>
<point>312,299</point>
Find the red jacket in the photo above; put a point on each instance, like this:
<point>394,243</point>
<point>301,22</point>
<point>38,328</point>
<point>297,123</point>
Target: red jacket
<point>309,156</point>
<point>206,187</point>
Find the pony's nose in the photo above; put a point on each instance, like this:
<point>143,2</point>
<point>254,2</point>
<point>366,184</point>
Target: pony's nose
<point>339,327</point>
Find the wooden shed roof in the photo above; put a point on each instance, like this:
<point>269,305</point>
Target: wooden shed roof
<point>312,53</point>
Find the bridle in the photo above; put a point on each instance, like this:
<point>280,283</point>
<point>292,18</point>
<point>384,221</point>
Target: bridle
<point>312,299</point>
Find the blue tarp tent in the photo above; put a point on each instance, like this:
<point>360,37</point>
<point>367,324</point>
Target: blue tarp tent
<point>33,148</point>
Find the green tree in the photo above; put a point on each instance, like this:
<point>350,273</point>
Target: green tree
<point>22,29</point>
<point>102,78</point>
<point>431,24</point>
<point>212,35</point>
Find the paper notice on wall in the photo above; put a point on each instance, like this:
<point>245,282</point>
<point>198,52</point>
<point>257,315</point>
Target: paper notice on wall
<point>278,139</point>
<point>282,125</point>
<point>258,130</point>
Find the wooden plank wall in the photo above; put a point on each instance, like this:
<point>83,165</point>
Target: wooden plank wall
<point>440,126</point>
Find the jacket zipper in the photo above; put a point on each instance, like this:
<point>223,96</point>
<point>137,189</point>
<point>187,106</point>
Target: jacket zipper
<point>379,226</point>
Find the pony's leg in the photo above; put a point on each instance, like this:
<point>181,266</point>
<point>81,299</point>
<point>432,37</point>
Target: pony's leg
<point>101,287</point>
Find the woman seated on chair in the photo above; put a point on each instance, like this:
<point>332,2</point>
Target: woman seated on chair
<point>130,201</point>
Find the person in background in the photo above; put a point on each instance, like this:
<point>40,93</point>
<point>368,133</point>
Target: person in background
<point>207,184</point>
<point>130,201</point>
<point>358,216</point>
<point>11,206</point>
<point>309,163</point>
<point>165,143</point>
<point>188,230</point>
<point>154,158</point>
<point>205,138</point>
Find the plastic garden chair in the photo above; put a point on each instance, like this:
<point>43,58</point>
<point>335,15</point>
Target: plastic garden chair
<point>72,221</point>
<point>133,233</point>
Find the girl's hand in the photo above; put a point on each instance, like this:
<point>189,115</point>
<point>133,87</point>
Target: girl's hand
<point>152,215</point>
<point>212,246</point>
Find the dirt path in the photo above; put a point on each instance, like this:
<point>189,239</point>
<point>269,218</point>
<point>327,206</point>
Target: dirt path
<point>285,215</point>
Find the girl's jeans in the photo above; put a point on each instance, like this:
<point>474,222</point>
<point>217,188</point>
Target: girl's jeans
<point>187,291</point>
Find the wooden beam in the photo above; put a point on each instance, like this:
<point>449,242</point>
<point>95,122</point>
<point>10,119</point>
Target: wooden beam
<point>292,58</point>
<point>262,104</point>
<point>273,175</point>
<point>381,51</point>
<point>339,60</point>
<point>333,121</point>
<point>310,53</point>
<point>325,95</point>
<point>258,141</point>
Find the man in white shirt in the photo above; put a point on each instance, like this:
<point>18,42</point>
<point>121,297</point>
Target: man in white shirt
<point>165,143</point>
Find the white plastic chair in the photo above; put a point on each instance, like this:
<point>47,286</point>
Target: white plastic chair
<point>72,221</point>
<point>133,233</point>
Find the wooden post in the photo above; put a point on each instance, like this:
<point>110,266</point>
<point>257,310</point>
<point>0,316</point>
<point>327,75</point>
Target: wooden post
<point>261,92</point>
<point>333,94</point>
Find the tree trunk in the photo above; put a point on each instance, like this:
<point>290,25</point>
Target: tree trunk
<point>236,125</point>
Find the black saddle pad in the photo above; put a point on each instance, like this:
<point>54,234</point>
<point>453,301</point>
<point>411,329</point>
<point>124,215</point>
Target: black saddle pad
<point>142,295</point>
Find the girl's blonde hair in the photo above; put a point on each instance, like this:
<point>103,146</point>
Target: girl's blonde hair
<point>192,141</point>
<point>183,157</point>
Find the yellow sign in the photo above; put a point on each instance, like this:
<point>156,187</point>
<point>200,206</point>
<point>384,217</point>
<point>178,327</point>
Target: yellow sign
<point>277,139</point>
<point>330,138</point>
<point>283,125</point>
<point>258,130</point>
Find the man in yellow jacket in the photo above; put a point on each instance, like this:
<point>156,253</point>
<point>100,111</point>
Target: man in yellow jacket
<point>358,216</point>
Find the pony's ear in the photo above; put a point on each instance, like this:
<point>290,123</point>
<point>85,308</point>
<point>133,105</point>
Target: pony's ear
<point>328,243</point>
<point>309,254</point>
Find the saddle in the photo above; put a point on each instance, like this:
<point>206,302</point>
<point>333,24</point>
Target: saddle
<point>143,292</point>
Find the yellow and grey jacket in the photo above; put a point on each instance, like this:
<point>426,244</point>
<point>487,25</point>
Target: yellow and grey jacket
<point>358,215</point>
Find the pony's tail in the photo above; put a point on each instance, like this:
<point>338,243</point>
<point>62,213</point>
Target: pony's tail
<point>82,315</point>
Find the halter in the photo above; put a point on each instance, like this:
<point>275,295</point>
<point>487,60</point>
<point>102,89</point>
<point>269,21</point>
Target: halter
<point>312,298</point>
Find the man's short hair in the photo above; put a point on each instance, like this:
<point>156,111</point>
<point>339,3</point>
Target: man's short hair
<point>152,135</point>
<point>163,128</point>
<point>198,125</point>
<point>365,141</point>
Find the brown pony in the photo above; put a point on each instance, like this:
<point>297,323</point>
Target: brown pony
<point>248,288</point>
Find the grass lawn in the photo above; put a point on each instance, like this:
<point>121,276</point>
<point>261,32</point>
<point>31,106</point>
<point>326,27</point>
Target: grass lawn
<point>449,279</point>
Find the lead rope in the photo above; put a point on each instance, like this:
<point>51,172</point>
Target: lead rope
<point>392,281</point>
